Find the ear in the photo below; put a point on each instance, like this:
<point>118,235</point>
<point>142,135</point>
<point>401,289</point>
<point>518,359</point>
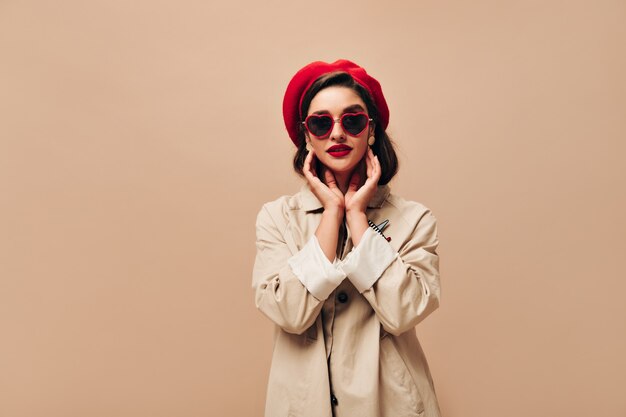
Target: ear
<point>304,131</point>
<point>372,128</point>
<point>307,139</point>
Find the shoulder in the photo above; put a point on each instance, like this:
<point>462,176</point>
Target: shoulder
<point>280,207</point>
<point>407,208</point>
<point>415,225</point>
<point>412,212</point>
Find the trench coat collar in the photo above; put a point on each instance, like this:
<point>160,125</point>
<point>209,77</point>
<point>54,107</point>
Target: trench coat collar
<point>310,201</point>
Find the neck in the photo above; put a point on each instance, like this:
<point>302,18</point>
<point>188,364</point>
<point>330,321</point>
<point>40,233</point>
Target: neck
<point>343,181</point>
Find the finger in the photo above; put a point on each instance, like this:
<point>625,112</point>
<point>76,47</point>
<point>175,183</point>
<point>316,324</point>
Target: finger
<point>308,158</point>
<point>377,168</point>
<point>370,165</point>
<point>306,166</point>
<point>313,164</point>
<point>309,169</point>
<point>331,182</point>
<point>355,180</point>
<point>371,155</point>
<point>375,172</point>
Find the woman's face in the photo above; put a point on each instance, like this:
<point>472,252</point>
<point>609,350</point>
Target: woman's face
<point>349,150</point>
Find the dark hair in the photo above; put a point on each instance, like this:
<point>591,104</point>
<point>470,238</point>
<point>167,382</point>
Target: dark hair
<point>382,147</point>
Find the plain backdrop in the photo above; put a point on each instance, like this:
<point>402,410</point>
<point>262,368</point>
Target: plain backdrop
<point>138,141</point>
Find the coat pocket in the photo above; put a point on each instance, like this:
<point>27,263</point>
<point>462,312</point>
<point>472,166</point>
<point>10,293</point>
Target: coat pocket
<point>399,395</point>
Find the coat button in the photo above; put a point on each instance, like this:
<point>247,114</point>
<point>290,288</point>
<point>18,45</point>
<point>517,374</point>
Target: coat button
<point>333,399</point>
<point>342,297</point>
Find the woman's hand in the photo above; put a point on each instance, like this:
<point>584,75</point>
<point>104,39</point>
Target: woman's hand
<point>357,198</point>
<point>331,197</point>
<point>328,194</point>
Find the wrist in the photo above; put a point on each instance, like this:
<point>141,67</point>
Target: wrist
<point>357,223</point>
<point>334,213</point>
<point>354,216</point>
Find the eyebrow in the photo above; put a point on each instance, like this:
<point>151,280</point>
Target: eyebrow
<point>349,109</point>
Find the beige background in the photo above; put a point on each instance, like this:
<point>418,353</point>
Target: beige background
<point>138,140</point>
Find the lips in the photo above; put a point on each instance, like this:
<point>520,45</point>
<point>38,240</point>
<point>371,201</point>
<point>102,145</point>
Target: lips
<point>338,151</point>
<point>339,148</point>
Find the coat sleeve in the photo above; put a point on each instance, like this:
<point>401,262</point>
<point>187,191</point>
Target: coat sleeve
<point>290,299</point>
<point>402,287</point>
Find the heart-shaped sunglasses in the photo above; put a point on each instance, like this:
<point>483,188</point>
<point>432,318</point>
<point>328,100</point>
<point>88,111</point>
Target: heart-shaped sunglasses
<point>320,125</point>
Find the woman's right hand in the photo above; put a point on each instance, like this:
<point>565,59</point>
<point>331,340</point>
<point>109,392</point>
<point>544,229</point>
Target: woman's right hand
<point>331,197</point>
<point>328,194</point>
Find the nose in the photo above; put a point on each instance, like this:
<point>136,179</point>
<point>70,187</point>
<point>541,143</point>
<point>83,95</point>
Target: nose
<point>337,133</point>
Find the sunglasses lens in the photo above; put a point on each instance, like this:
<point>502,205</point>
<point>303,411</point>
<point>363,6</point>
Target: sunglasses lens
<point>319,125</point>
<point>354,123</point>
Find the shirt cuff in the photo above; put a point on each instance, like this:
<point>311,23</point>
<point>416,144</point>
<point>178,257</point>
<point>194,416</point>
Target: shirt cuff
<point>315,271</point>
<point>367,262</point>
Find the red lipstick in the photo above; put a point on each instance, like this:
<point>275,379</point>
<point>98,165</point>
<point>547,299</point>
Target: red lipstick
<point>339,150</point>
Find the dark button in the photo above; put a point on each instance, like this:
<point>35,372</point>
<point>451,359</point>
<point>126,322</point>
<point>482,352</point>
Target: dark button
<point>342,297</point>
<point>333,399</point>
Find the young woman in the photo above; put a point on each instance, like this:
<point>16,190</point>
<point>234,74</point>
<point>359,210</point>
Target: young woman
<point>344,268</point>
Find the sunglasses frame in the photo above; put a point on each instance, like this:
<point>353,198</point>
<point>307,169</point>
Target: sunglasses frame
<point>338,120</point>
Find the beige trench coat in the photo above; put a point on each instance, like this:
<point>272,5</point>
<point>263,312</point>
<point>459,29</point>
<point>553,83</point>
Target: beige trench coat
<point>353,354</point>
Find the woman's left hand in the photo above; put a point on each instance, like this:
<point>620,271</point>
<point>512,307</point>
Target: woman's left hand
<point>356,199</point>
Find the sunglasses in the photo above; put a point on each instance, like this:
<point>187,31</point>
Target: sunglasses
<point>320,125</point>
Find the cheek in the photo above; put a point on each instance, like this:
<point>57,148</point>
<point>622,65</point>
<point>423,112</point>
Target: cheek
<point>318,148</point>
<point>362,148</point>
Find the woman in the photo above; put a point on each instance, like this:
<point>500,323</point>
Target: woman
<point>344,268</point>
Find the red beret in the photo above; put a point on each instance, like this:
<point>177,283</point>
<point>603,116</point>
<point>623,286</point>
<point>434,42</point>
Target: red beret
<point>300,83</point>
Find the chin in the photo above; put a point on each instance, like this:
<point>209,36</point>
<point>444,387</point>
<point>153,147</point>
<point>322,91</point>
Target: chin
<point>340,165</point>
<point>341,168</point>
